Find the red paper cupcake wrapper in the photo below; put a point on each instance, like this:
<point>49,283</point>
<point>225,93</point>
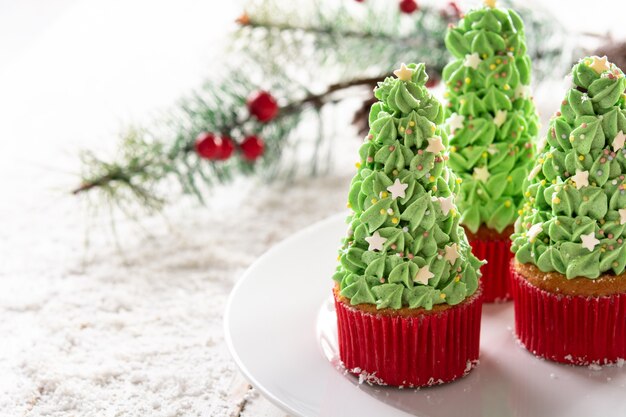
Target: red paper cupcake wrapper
<point>426,350</point>
<point>496,277</point>
<point>577,330</point>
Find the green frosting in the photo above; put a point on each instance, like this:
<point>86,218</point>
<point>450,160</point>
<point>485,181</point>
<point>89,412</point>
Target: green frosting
<point>574,212</point>
<point>492,120</point>
<point>405,247</point>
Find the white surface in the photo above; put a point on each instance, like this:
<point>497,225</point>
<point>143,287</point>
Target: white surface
<point>281,329</point>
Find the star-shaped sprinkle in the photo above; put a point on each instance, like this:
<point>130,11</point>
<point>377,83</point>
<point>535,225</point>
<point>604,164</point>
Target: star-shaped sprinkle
<point>481,174</point>
<point>375,241</point>
<point>589,241</point>
<point>397,189</point>
<point>423,275</point>
<point>533,173</point>
<point>581,179</point>
<point>500,118</point>
<point>584,97</point>
<point>435,145</point>
<point>404,73</point>
<point>598,64</point>
<point>622,216</point>
<point>455,122</point>
<point>534,230</point>
<point>618,141</point>
<point>452,253</point>
<point>522,91</point>
<point>472,60</point>
<point>446,204</point>
<point>490,3</point>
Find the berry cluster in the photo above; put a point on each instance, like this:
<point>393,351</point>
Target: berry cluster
<point>221,147</point>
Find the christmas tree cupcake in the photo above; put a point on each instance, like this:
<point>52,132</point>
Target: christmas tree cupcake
<point>569,282</point>
<point>407,293</point>
<point>492,123</point>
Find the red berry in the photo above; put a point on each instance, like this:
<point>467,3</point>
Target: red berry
<point>226,148</point>
<point>432,82</point>
<point>263,106</point>
<point>252,148</point>
<point>207,145</point>
<point>408,6</point>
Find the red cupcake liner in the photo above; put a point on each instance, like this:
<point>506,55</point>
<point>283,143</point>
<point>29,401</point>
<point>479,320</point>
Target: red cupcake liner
<point>418,351</point>
<point>577,330</point>
<point>496,277</point>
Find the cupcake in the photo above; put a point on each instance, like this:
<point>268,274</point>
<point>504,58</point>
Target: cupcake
<point>407,286</point>
<point>492,124</point>
<point>569,282</point>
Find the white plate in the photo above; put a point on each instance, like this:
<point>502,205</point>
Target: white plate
<point>281,330</point>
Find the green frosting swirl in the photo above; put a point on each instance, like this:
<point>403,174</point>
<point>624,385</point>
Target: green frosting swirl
<point>405,247</point>
<point>573,217</point>
<point>492,120</point>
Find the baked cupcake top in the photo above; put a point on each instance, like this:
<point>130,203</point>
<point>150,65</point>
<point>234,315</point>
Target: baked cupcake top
<point>404,246</point>
<point>492,120</point>
<point>574,214</point>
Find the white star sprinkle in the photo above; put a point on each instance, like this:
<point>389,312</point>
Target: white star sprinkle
<point>500,118</point>
<point>472,60</point>
<point>534,230</point>
<point>533,173</point>
<point>581,179</point>
<point>599,65</point>
<point>435,145</point>
<point>452,253</point>
<point>423,275</point>
<point>446,204</point>
<point>455,122</point>
<point>397,189</point>
<point>618,141</point>
<point>404,73</point>
<point>589,241</point>
<point>622,216</point>
<point>522,91</point>
<point>584,97</point>
<point>375,241</point>
<point>481,174</point>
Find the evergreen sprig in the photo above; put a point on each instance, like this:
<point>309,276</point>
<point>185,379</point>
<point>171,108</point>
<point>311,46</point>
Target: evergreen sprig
<point>308,60</point>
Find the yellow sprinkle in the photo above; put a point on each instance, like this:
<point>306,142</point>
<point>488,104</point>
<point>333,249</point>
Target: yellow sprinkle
<point>374,200</point>
<point>484,56</point>
<point>348,205</point>
<point>433,128</point>
<point>459,180</point>
<point>442,296</point>
<point>506,87</point>
<point>462,101</point>
<point>434,188</point>
<point>520,212</point>
<point>358,165</point>
<point>485,154</point>
<point>382,211</point>
<point>457,278</point>
<point>507,203</point>
<point>338,257</point>
<point>467,80</point>
<point>492,66</point>
<point>446,94</point>
<point>557,222</point>
<point>452,148</point>
<point>453,212</point>
<point>401,128</point>
<point>384,194</point>
<point>556,200</point>
<point>549,155</point>
<point>509,178</point>
<point>394,220</point>
<point>581,157</point>
<point>394,172</point>
<point>553,181</point>
<point>571,138</point>
<point>527,193</point>
<point>411,123</point>
<point>498,61</point>
<point>541,160</point>
<point>432,178</point>
<point>543,182</point>
<point>511,49</point>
